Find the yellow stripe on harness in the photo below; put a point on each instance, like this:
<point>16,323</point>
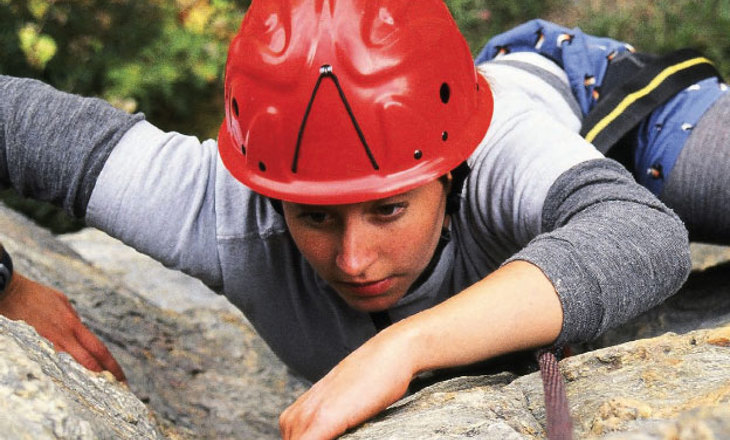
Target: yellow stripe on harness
<point>635,96</point>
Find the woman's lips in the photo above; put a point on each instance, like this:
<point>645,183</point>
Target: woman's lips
<point>370,288</point>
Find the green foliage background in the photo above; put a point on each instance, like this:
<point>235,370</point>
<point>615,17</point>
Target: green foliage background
<point>166,57</point>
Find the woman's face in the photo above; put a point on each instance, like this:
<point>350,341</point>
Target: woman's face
<point>371,252</point>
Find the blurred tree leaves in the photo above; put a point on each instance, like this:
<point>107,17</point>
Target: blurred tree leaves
<point>37,48</point>
<point>479,20</point>
<point>161,57</point>
<point>658,26</point>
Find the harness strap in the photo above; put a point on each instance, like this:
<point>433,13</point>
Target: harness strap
<point>559,424</point>
<point>624,107</point>
<point>381,320</point>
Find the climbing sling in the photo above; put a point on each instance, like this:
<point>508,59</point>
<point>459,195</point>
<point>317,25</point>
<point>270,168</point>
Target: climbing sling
<point>651,82</point>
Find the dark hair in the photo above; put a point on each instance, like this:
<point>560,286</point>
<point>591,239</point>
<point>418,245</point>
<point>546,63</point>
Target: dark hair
<point>276,204</point>
<point>458,176</point>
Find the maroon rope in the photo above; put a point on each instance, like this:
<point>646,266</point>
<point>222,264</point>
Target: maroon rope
<point>559,425</point>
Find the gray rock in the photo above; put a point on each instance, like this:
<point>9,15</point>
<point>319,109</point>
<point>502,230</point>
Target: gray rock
<point>45,396</point>
<point>705,256</point>
<point>201,373</point>
<point>653,384</point>
<point>468,407</point>
<point>670,387</point>
<point>166,288</point>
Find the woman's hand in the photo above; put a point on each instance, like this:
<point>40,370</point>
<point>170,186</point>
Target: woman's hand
<point>359,387</point>
<point>53,317</point>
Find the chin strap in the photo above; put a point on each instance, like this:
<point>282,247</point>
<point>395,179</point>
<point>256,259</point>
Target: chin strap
<point>381,320</point>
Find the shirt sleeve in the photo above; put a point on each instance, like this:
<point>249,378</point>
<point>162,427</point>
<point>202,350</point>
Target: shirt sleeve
<point>53,145</point>
<point>157,193</point>
<point>611,249</point>
<point>151,189</point>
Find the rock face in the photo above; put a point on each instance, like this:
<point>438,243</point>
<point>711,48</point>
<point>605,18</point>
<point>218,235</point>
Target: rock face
<point>44,395</point>
<point>197,370</point>
<point>670,387</point>
<point>165,288</point>
<point>202,373</point>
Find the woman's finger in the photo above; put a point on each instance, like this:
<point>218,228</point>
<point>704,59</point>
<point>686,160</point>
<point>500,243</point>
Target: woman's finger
<point>91,344</point>
<point>80,354</point>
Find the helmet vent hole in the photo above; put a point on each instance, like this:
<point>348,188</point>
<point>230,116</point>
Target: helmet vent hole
<point>262,166</point>
<point>477,87</point>
<point>418,154</point>
<point>445,136</point>
<point>243,149</point>
<point>445,93</point>
<point>235,107</point>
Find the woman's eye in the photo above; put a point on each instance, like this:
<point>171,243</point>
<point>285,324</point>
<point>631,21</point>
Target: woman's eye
<point>391,209</point>
<point>314,217</point>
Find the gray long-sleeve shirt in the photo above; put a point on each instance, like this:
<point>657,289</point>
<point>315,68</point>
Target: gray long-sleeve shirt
<point>537,192</point>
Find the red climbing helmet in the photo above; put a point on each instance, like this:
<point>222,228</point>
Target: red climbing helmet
<point>344,101</point>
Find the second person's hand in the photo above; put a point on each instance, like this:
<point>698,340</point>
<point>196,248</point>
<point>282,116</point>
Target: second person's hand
<point>52,315</point>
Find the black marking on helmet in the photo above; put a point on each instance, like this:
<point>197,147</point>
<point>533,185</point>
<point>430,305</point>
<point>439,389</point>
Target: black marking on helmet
<point>444,136</point>
<point>418,154</point>
<point>243,149</point>
<point>235,107</point>
<point>445,93</point>
<point>262,166</point>
<point>325,71</point>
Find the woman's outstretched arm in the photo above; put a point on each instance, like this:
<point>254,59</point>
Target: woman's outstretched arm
<point>514,308</point>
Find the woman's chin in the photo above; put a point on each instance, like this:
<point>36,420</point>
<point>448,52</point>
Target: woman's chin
<point>371,304</point>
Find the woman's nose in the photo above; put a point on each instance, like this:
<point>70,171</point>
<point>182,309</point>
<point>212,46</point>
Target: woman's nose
<point>357,250</point>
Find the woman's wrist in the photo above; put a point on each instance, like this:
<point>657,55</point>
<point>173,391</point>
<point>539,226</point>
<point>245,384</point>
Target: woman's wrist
<point>406,338</point>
